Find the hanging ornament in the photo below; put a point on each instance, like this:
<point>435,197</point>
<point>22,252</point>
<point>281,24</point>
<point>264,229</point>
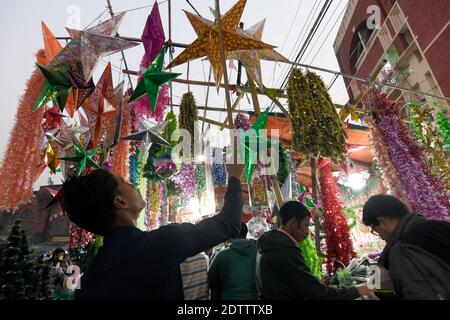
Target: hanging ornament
<point>336,230</point>
<point>51,158</point>
<point>186,181</point>
<point>310,256</point>
<point>165,167</point>
<point>242,121</point>
<point>80,88</point>
<point>187,118</point>
<point>56,87</point>
<point>316,127</point>
<point>219,172</point>
<point>200,177</point>
<point>152,79</point>
<point>207,43</point>
<point>444,129</point>
<point>82,157</point>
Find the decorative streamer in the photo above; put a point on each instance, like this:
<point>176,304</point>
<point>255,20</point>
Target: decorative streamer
<point>444,129</point>
<point>135,164</point>
<point>316,127</point>
<point>153,206</point>
<point>185,180</point>
<point>164,217</point>
<point>428,136</point>
<point>200,177</point>
<point>424,194</point>
<point>187,118</point>
<point>389,174</point>
<point>337,232</point>
<point>21,165</point>
<point>310,255</point>
<point>219,173</point>
<point>121,151</point>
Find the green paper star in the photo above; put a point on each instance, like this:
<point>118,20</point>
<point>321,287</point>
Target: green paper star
<point>83,157</point>
<point>250,142</point>
<point>152,79</point>
<point>54,88</point>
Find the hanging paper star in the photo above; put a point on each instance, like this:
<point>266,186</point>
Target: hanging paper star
<point>88,46</point>
<point>51,157</point>
<point>80,88</point>
<point>101,107</point>
<point>149,136</point>
<point>250,143</point>
<point>83,157</point>
<point>52,119</point>
<point>51,45</point>
<point>112,135</point>
<point>207,43</point>
<point>251,58</point>
<point>63,136</point>
<point>153,34</point>
<point>151,81</point>
<point>56,87</point>
<point>56,198</point>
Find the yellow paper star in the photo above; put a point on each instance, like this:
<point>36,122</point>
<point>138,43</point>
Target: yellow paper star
<point>207,43</point>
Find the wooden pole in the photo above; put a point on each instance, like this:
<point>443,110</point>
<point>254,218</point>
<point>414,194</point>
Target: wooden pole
<point>214,122</point>
<point>315,198</point>
<point>224,64</point>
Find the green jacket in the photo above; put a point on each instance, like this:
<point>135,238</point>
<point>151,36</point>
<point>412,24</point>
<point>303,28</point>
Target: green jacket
<point>232,272</point>
<point>281,273</point>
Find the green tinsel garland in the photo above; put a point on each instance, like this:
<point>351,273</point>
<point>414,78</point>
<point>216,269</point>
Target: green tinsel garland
<point>200,176</point>
<point>444,129</point>
<point>310,255</point>
<point>283,169</point>
<point>316,127</point>
<point>187,117</point>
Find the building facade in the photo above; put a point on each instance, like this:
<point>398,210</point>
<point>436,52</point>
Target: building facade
<point>409,48</point>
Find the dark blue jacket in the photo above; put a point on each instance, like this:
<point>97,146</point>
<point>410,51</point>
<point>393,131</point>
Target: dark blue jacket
<point>133,264</point>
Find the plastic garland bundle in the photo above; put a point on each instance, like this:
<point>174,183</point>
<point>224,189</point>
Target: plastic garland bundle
<point>188,116</point>
<point>200,177</point>
<point>444,129</point>
<point>310,255</point>
<point>316,127</point>
<point>425,194</point>
<point>429,137</point>
<point>219,173</point>
<point>186,181</point>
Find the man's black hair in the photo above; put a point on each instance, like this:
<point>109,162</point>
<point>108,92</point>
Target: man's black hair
<point>243,232</point>
<point>293,209</point>
<point>88,200</point>
<point>383,205</point>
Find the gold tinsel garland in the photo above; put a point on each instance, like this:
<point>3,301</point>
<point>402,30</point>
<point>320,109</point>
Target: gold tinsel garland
<point>428,136</point>
<point>188,116</point>
<point>316,127</point>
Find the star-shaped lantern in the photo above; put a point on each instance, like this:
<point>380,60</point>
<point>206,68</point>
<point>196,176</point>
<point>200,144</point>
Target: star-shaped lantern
<point>52,119</point>
<point>83,157</point>
<point>149,135</point>
<point>101,108</point>
<point>152,79</point>
<point>80,88</point>
<point>207,43</point>
<point>55,87</point>
<point>86,47</point>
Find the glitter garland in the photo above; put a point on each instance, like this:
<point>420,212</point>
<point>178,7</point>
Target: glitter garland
<point>316,127</point>
<point>185,181</point>
<point>187,118</point>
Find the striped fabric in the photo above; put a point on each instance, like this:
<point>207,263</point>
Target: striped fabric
<point>194,273</point>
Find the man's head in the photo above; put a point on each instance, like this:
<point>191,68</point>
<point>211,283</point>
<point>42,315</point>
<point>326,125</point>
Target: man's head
<point>100,201</point>
<point>243,232</point>
<point>382,214</point>
<point>295,219</point>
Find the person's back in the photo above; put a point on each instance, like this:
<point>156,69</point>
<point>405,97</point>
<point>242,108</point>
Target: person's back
<point>133,264</point>
<point>417,252</point>
<point>232,272</point>
<point>194,275</point>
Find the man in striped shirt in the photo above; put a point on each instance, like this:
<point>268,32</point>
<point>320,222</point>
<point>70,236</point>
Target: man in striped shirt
<point>194,273</point>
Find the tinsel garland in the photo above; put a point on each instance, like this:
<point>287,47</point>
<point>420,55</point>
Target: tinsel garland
<point>428,136</point>
<point>187,118</point>
<point>21,165</point>
<point>423,192</point>
<point>310,256</point>
<point>283,168</point>
<point>200,177</point>
<point>316,127</point>
<point>242,121</point>
<point>153,206</point>
<point>121,151</point>
<point>389,174</point>
<point>444,129</point>
<point>79,237</point>
<point>135,164</point>
<point>219,172</point>
<point>336,230</point>
<point>185,181</point>
<point>164,215</point>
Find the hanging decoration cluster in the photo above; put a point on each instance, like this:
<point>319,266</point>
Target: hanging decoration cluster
<point>186,181</point>
<point>153,206</point>
<point>444,128</point>
<point>336,230</point>
<point>122,151</point>
<point>428,136</point>
<point>219,173</point>
<point>310,255</point>
<point>187,118</point>
<point>425,194</point>
<point>21,165</point>
<point>316,127</point>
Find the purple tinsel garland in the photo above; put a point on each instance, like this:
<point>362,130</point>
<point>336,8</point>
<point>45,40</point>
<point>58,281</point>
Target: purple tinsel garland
<point>412,174</point>
<point>185,180</point>
<point>242,121</point>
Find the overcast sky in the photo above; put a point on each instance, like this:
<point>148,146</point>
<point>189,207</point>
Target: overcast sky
<point>287,25</point>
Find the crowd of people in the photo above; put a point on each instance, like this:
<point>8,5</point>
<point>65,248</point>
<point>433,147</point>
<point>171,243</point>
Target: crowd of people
<point>170,262</point>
